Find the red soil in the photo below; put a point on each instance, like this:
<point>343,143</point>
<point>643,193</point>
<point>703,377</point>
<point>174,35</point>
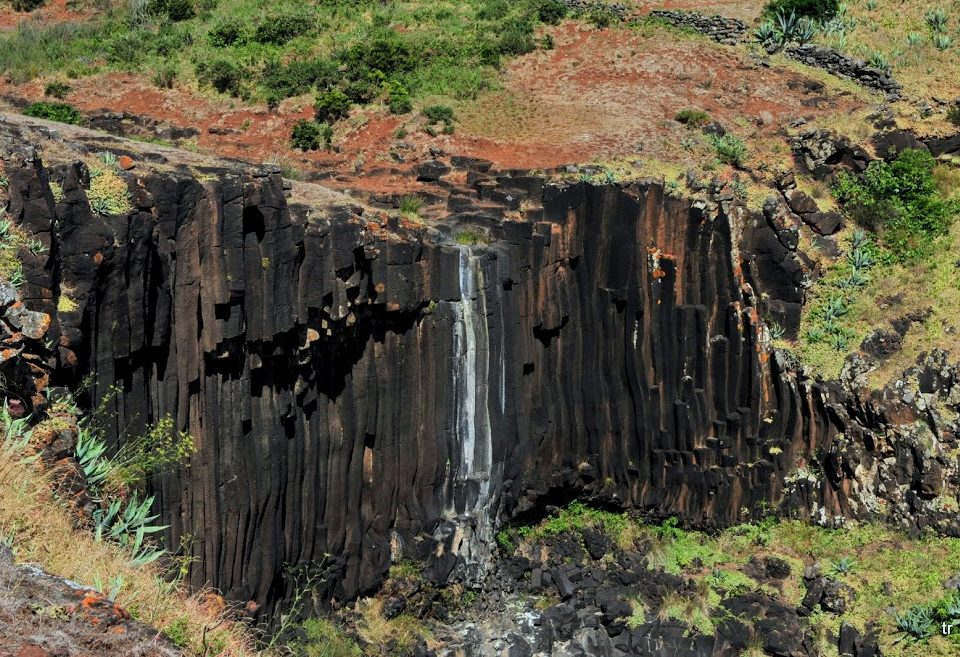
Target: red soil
<point>597,94</point>
<point>54,11</point>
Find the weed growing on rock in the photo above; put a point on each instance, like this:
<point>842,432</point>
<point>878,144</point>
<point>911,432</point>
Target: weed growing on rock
<point>472,237</point>
<point>108,193</point>
<point>410,204</point>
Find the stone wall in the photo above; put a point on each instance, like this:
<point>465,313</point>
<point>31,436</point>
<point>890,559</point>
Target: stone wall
<point>719,28</point>
<point>846,67</point>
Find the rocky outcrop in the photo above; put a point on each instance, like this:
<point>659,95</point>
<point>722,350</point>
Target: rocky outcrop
<point>721,29</point>
<point>44,616</point>
<point>360,392</point>
<point>847,67</point>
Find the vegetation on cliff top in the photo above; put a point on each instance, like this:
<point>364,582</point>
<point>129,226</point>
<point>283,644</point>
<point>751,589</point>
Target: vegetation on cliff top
<point>902,268</point>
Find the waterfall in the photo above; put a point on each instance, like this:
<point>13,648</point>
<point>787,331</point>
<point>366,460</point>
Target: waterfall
<point>472,435</point>
<point>471,385</point>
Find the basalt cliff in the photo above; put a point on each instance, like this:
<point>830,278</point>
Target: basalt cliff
<point>363,390</point>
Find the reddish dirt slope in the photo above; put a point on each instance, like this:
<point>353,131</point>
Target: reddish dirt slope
<point>597,94</point>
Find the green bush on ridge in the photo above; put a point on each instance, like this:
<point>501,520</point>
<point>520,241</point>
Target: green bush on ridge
<point>61,112</point>
<point>899,200</point>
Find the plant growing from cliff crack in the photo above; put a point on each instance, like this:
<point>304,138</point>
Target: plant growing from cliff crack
<point>108,193</point>
<point>16,436</point>
<point>410,204</point>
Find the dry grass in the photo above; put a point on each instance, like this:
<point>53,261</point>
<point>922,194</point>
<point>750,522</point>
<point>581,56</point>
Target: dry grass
<point>885,26</point>
<point>41,531</point>
<point>403,631</point>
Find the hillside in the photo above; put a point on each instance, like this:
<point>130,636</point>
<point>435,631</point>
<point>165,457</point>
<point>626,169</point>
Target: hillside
<point>541,328</point>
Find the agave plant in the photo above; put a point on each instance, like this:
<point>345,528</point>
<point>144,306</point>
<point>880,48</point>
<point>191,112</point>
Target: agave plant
<point>843,566</point>
<point>108,158</point>
<point>878,60</point>
<point>950,607</point>
<point>786,26</point>
<point>860,239</point>
<point>861,259</point>
<point>89,452</point>
<point>806,31</point>
<point>916,623</point>
<point>836,307</point>
<point>16,435</point>
<point>914,39</point>
<point>856,280</point>
<point>816,335</point>
<point>766,33</point>
<point>937,19</point>
<point>942,41</point>
<point>839,342</point>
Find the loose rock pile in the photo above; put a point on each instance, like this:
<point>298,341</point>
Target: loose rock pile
<point>846,67</point>
<point>719,28</point>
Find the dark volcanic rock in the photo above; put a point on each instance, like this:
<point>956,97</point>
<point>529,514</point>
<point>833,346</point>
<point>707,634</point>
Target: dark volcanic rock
<point>359,395</point>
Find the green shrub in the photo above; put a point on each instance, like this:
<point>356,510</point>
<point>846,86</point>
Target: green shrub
<point>692,118</point>
<point>599,15</point>
<point>323,639</point>
<point>57,89</point>
<point>730,149</point>
<point>230,32</point>
<point>816,9</point>
<point>284,80</point>
<point>330,106</point>
<point>175,10</point>
<point>399,98</point>
<point>279,29</point>
<point>551,12</point>
<point>224,75</point>
<point>62,112</point>
<point>900,200</point>
<point>165,76</point>
<point>27,5</point>
<point>438,113</point>
<point>516,37</point>
<point>386,53</point>
<point>309,135</point>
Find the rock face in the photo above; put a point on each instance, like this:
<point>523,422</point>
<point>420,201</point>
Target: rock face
<point>360,395</point>
<point>44,616</point>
